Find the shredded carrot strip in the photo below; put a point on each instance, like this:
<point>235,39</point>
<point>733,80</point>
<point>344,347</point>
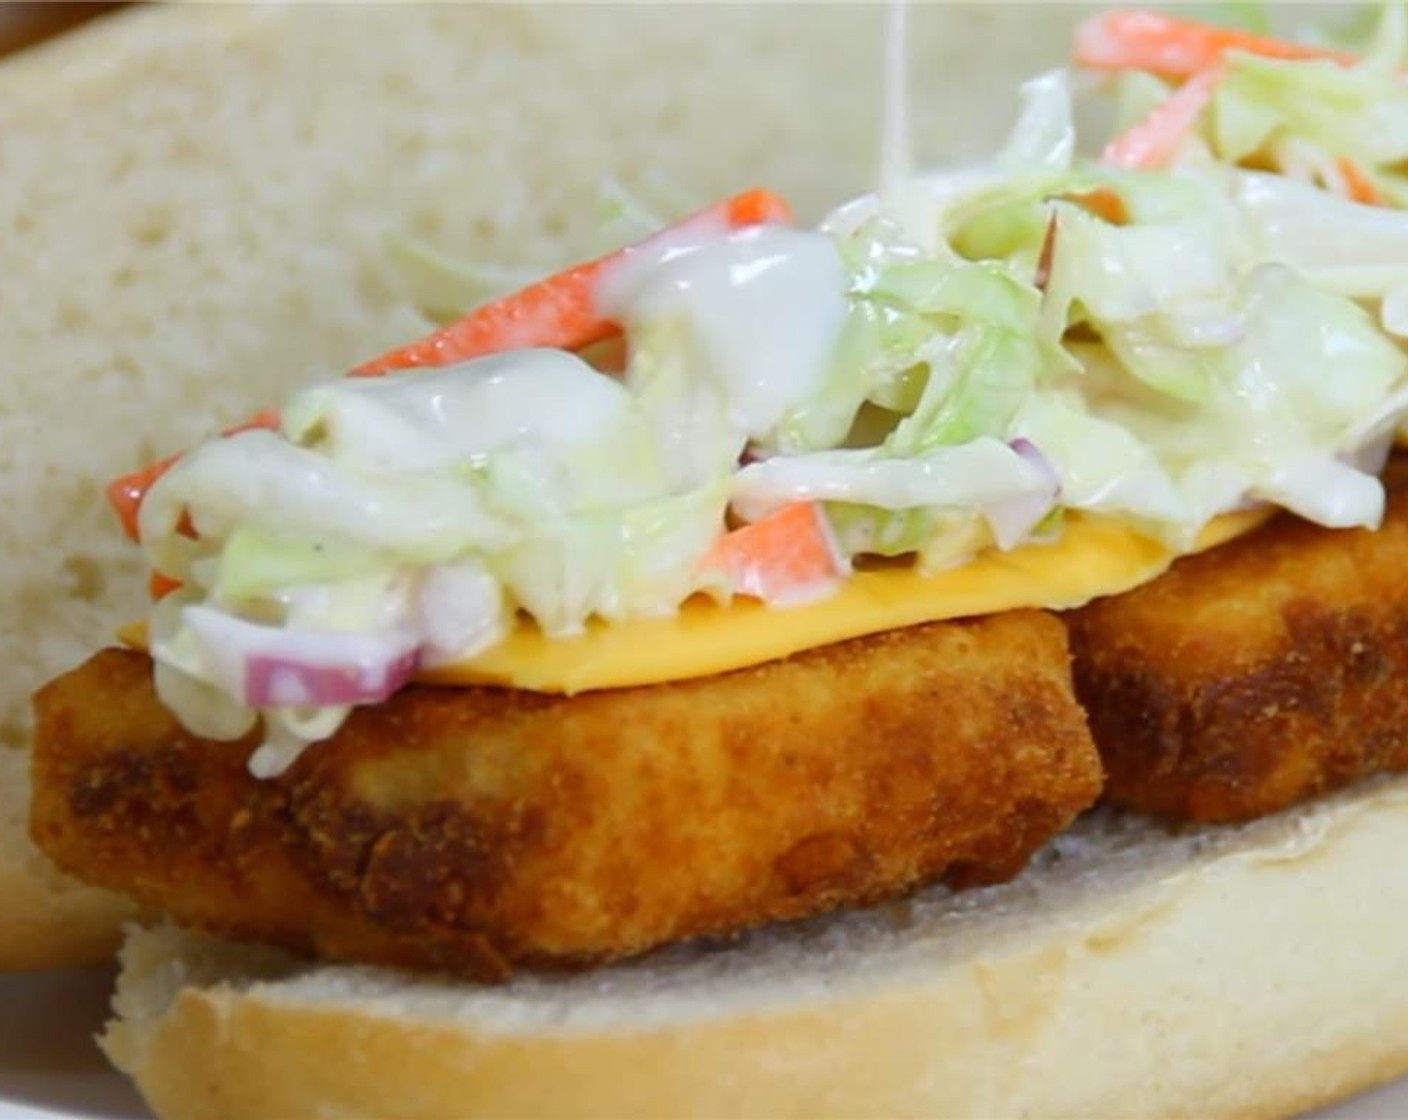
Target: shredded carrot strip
<point>1176,48</point>
<point>558,312</point>
<point>1152,142</point>
<point>1104,202</point>
<point>1362,187</point>
<point>787,551</point>
<point>160,586</point>
<point>125,494</point>
<point>1048,254</point>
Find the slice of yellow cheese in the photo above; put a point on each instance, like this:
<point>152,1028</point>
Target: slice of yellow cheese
<point>1091,558</point>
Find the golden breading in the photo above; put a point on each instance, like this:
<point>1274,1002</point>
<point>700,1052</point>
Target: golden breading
<point>1255,675</point>
<point>481,829</point>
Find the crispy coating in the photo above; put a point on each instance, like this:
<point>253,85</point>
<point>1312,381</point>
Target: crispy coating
<point>1256,675</point>
<point>480,829</point>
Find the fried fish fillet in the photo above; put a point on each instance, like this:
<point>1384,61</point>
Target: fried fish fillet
<point>1255,675</point>
<point>480,829</point>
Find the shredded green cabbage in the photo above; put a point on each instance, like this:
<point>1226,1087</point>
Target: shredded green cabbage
<point>949,367</point>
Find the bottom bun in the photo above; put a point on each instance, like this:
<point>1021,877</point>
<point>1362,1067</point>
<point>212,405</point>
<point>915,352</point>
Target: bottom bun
<point>1251,971</point>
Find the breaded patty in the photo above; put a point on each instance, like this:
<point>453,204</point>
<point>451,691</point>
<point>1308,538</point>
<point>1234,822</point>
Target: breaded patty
<point>481,829</point>
<point>1255,675</point>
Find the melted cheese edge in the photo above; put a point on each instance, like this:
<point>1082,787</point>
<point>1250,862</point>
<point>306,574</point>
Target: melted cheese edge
<point>1092,558</point>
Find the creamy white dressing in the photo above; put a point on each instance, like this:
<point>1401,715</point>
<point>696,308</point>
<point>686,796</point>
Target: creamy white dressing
<point>896,150</point>
<point>981,473</point>
<point>763,306</point>
<point>411,519</point>
<point>484,483</point>
<point>460,608</point>
<point>428,418</point>
<point>576,436</point>
<point>259,479</point>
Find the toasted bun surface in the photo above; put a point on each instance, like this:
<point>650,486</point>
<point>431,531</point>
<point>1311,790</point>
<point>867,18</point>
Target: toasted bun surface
<point>1249,971</point>
<point>196,203</point>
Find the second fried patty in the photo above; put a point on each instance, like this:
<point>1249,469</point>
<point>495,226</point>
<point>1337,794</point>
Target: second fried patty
<point>1253,676</point>
<point>481,829</point>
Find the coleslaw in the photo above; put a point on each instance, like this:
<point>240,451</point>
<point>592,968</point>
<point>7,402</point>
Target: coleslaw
<point>1208,317</point>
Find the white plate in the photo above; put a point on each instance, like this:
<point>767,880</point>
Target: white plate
<point>51,1070</point>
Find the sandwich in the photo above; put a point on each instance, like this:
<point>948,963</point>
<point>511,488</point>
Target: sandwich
<point>753,622</point>
<point>168,165</point>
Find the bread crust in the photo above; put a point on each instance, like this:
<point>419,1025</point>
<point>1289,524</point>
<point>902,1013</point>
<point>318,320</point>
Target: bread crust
<point>1255,675</point>
<point>1150,976</point>
<point>481,829</point>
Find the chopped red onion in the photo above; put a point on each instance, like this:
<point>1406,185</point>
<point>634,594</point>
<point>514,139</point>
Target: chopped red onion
<point>273,667</point>
<point>1033,455</point>
<point>1013,520</point>
<point>284,682</point>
